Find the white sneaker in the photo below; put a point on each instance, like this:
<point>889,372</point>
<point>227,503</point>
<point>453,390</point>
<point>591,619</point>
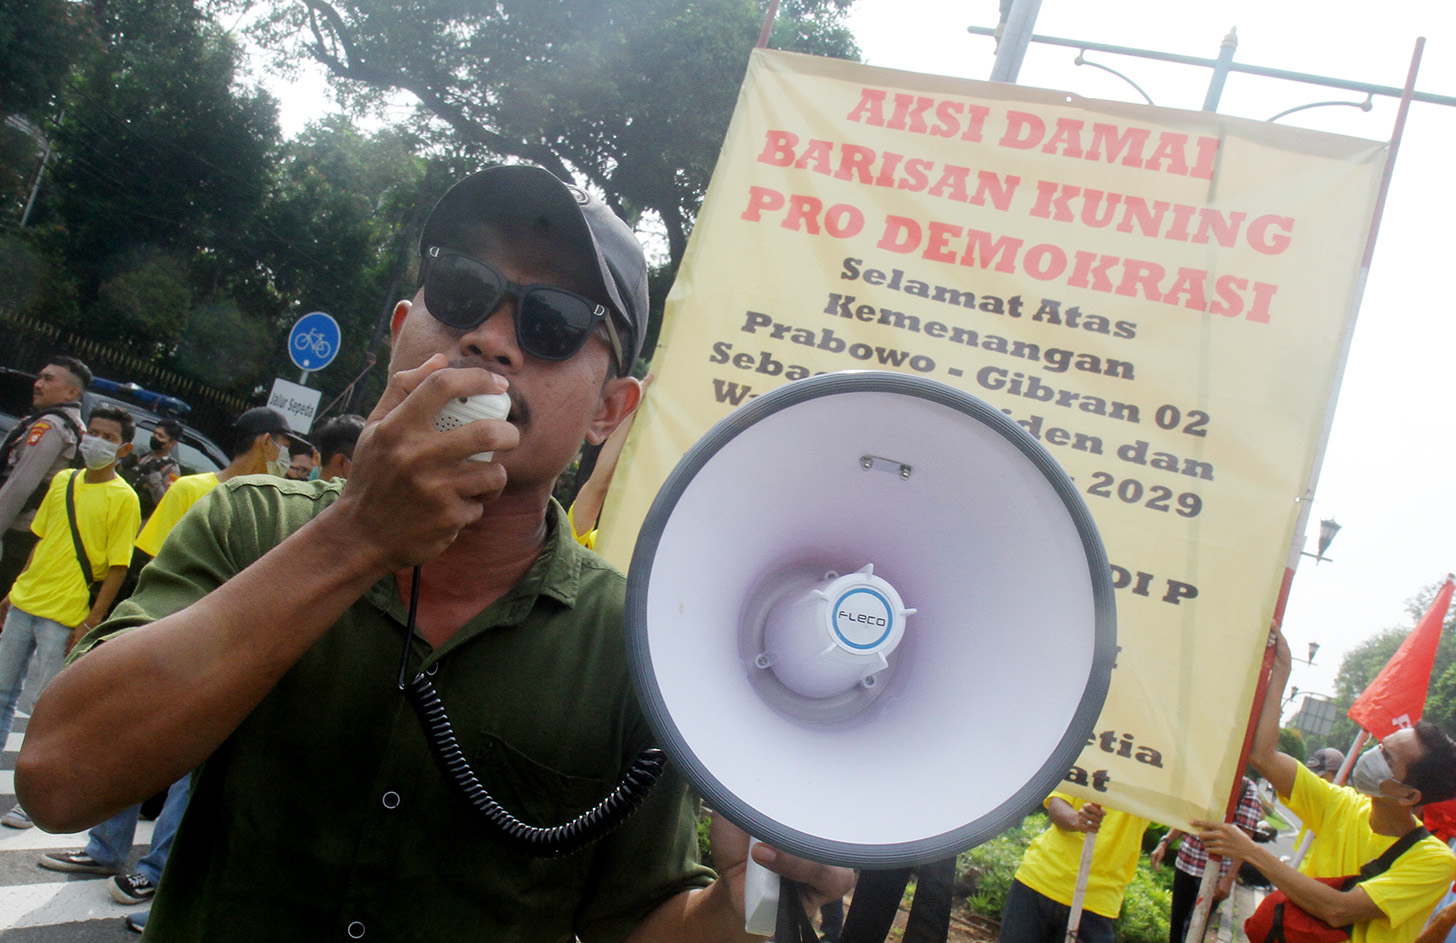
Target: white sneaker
<point>16,818</point>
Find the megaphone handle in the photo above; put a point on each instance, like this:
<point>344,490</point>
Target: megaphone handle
<point>760,896</point>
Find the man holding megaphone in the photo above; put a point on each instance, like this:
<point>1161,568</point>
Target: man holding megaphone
<point>263,643</point>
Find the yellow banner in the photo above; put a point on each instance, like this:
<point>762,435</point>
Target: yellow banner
<point>1158,296</point>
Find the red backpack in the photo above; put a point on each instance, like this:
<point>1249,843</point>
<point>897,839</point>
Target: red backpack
<point>1280,920</point>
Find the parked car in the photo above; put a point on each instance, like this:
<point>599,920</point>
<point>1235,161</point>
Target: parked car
<point>196,453</point>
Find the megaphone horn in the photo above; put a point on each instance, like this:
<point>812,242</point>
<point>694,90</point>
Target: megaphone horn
<point>870,619</point>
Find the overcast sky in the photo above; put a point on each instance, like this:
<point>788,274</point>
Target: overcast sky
<point>1387,477</point>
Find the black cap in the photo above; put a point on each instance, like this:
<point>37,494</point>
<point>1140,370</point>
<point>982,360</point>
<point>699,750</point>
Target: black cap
<point>523,194</point>
<point>262,419</point>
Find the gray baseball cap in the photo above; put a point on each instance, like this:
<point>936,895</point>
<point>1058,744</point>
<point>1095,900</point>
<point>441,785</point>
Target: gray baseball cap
<point>1325,760</point>
<point>526,195</point>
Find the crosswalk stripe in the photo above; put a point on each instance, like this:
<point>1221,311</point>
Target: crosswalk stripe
<point>12,839</point>
<point>42,905</point>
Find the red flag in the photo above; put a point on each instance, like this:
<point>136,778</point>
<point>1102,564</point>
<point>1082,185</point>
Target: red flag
<point>1440,819</point>
<point>1398,694</point>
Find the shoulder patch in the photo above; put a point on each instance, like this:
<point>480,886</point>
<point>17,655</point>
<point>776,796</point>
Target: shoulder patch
<point>38,431</point>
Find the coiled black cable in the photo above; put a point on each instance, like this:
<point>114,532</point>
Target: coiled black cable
<point>552,841</point>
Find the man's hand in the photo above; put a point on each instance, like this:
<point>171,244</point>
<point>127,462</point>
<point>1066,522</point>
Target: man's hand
<point>413,484</point>
<point>78,633</point>
<point>715,914</point>
<point>1225,839</point>
<point>1063,816</point>
<point>820,883</point>
<point>1164,844</point>
<point>1282,658</point>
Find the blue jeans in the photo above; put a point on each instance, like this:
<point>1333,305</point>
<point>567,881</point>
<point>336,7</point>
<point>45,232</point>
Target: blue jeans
<point>1031,917</point>
<point>110,842</point>
<point>27,635</point>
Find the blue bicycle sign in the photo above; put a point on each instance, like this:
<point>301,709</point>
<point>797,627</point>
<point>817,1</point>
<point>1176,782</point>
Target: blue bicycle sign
<point>314,341</point>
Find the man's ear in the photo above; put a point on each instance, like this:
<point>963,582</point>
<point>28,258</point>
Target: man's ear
<point>1407,795</point>
<point>620,396</point>
<point>396,320</point>
<point>124,449</point>
<point>337,466</point>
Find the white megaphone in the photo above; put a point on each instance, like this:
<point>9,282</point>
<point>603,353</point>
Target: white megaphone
<point>870,619</point>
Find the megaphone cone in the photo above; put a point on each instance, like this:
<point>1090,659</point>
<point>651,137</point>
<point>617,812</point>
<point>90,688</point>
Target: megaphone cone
<point>870,619</point>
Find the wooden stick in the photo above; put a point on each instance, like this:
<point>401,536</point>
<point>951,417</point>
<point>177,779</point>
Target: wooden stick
<point>1084,871</point>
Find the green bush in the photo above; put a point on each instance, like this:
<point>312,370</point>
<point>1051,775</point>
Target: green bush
<point>1144,917</point>
<point>992,866</point>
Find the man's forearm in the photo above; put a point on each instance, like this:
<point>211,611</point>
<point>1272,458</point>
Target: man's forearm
<point>192,676</point>
<point>1264,756</point>
<point>105,595</point>
<point>1335,907</point>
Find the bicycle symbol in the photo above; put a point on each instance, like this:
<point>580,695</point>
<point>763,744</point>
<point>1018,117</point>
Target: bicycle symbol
<point>315,342</point>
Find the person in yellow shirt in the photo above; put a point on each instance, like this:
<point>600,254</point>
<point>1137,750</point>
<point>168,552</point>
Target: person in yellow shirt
<point>1391,780</point>
<point>261,440</point>
<point>49,607</point>
<point>1038,904</point>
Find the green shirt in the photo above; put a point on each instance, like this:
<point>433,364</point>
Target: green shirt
<point>325,817</point>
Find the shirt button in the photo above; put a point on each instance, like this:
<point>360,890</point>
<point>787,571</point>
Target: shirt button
<point>356,930</point>
<point>390,800</point>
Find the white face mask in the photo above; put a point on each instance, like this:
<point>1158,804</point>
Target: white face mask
<point>97,452</point>
<point>1370,771</point>
<point>279,466</point>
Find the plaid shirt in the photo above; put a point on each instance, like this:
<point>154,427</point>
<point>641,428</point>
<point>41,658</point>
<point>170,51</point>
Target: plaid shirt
<point>1192,856</point>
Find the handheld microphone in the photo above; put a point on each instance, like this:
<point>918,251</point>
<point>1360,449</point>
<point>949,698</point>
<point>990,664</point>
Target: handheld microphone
<point>466,409</point>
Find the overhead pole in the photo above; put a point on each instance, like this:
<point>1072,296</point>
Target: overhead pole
<point>1013,36</point>
<point>1221,68</point>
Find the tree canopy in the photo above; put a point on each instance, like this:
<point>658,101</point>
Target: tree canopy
<point>174,224</point>
<point>631,96</point>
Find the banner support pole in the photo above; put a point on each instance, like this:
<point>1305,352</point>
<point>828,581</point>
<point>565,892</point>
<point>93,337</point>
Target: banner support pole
<point>1079,894</point>
<point>768,22</point>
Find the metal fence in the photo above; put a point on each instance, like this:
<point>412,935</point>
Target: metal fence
<point>27,341</point>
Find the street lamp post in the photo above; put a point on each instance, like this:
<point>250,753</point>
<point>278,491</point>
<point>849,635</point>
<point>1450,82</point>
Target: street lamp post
<point>1328,529</point>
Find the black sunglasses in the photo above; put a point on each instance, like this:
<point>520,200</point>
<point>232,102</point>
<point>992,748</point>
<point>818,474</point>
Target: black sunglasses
<point>551,323</point>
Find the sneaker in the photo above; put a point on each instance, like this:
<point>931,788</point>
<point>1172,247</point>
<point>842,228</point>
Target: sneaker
<point>16,818</point>
<point>132,888</point>
<point>136,923</point>
<point>75,862</point>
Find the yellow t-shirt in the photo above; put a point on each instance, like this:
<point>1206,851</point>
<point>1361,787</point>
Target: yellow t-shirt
<point>1406,893</point>
<point>107,516</point>
<point>184,493</point>
<point>588,539</point>
<point>1053,858</point>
